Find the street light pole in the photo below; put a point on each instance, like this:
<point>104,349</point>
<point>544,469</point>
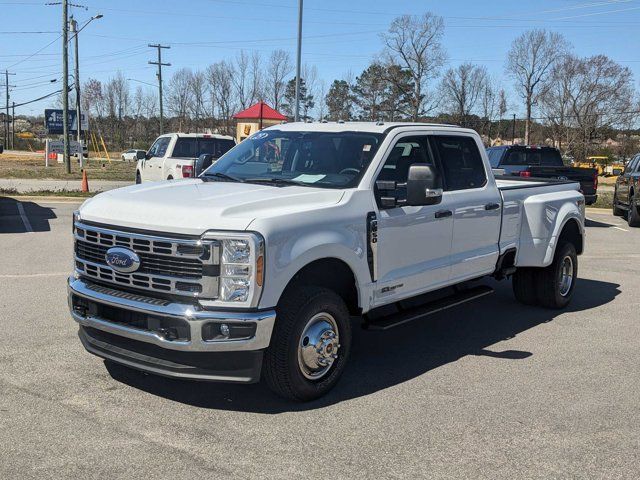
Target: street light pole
<point>298,61</point>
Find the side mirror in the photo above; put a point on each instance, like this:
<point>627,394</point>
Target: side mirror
<point>141,154</point>
<point>203,162</point>
<point>424,186</point>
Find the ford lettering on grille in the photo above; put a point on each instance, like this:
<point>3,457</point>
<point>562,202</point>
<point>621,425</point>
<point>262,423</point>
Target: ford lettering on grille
<point>122,259</point>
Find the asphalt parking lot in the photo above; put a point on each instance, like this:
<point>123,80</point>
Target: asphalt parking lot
<point>491,389</point>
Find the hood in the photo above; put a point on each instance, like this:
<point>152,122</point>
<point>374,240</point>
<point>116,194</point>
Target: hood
<point>193,206</point>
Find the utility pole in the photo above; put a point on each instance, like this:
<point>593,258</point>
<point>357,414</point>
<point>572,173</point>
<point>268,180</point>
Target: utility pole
<point>65,87</point>
<point>6,119</point>
<point>513,130</point>
<point>159,75</point>
<point>74,30</point>
<point>13,126</point>
<point>298,61</point>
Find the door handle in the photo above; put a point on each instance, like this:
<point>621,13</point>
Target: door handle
<point>444,213</point>
<point>492,206</point>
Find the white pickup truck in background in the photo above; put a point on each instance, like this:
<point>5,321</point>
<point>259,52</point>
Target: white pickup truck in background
<point>175,155</point>
<point>257,268</point>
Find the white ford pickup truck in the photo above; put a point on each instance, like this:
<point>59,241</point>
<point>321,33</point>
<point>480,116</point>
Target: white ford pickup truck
<point>258,268</point>
<point>176,155</point>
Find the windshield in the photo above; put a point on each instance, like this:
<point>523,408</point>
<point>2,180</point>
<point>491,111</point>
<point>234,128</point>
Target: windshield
<point>190,147</point>
<point>323,159</point>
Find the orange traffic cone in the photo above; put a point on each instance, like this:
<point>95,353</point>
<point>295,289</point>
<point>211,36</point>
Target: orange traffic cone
<point>85,183</point>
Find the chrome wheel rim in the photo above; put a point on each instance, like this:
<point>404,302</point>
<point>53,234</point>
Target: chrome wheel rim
<point>566,276</point>
<point>318,346</point>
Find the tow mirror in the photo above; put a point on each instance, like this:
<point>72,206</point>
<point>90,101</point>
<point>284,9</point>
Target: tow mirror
<point>141,154</point>
<point>203,162</point>
<point>424,186</point>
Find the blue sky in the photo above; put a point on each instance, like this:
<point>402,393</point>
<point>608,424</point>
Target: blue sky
<point>338,36</point>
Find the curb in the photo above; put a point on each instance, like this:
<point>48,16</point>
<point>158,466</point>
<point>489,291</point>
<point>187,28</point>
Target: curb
<point>598,211</point>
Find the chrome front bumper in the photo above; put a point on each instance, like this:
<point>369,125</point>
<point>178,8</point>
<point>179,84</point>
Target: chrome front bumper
<point>194,317</point>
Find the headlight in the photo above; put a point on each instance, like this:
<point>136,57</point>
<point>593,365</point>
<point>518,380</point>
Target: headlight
<point>241,268</point>
<point>76,218</point>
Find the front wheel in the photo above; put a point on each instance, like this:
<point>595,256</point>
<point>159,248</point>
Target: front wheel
<point>617,211</point>
<point>310,344</point>
<point>555,284</point>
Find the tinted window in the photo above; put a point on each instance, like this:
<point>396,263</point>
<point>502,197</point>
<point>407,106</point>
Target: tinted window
<point>461,162</point>
<point>333,160</point>
<point>161,149</point>
<point>194,147</point>
<point>545,157</point>
<point>495,154</point>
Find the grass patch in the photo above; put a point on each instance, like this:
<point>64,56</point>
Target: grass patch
<point>33,167</point>
<point>12,192</point>
<point>605,200</point>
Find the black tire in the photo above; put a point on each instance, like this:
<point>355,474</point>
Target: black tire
<point>524,287</point>
<point>547,280</point>
<point>617,211</point>
<point>283,370</point>
<point>170,177</point>
<point>633,217</point>
<point>138,178</point>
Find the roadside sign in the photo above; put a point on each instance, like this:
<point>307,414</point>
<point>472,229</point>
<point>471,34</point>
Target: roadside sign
<point>53,120</point>
<point>53,148</point>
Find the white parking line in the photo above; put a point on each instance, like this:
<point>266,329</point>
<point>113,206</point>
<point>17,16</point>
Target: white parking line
<point>23,216</point>
<point>35,275</point>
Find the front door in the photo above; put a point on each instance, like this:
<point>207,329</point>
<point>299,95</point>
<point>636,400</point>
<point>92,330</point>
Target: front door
<point>413,243</point>
<point>476,205</point>
<point>153,165</point>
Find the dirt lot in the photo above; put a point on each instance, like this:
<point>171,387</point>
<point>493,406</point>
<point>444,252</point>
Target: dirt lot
<point>32,166</point>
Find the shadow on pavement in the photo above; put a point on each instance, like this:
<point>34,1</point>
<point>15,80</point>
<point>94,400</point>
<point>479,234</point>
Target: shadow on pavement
<point>380,360</point>
<point>21,217</point>
<point>593,223</point>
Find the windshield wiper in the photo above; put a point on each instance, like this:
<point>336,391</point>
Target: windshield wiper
<point>223,176</point>
<point>278,181</point>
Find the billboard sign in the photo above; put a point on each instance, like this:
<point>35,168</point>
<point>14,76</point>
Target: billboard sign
<point>53,121</point>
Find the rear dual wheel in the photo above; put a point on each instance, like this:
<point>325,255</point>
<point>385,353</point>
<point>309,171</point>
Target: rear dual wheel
<point>552,286</point>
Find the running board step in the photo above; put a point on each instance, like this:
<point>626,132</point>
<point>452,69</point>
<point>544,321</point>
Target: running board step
<point>385,323</point>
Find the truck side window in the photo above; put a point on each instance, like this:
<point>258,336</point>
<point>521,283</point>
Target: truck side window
<point>161,149</point>
<point>461,162</point>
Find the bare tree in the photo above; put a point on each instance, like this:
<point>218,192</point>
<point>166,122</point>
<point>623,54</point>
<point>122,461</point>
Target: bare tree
<point>277,71</point>
<point>220,80</point>
<point>247,78</point>
<point>462,88</point>
<point>414,44</point>
<point>530,62</point>
<point>199,89</point>
<point>180,96</point>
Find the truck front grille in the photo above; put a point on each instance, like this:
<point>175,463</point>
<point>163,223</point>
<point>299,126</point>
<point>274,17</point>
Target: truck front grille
<point>188,267</point>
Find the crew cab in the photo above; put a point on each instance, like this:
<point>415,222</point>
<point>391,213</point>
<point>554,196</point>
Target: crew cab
<point>175,155</point>
<point>627,193</point>
<point>258,268</point>
<point>531,161</point>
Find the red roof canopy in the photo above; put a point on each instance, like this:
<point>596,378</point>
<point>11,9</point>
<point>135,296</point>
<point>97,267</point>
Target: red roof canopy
<point>260,110</point>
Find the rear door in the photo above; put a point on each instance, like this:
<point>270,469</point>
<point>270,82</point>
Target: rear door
<point>476,204</point>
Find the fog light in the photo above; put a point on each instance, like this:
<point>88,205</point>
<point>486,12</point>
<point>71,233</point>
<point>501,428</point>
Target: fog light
<point>224,330</point>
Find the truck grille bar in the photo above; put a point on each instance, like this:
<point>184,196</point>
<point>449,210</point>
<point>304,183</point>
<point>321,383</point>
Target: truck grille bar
<point>188,267</point>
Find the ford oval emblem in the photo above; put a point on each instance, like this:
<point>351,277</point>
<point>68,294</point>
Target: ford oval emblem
<point>122,259</point>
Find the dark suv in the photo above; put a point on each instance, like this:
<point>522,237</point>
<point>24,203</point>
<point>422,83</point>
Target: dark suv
<point>627,193</point>
<point>542,162</point>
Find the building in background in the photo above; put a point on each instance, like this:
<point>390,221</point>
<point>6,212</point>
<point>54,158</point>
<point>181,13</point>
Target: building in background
<point>255,118</point>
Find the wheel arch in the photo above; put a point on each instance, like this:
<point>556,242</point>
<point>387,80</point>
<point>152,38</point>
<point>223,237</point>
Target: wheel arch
<point>332,273</point>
